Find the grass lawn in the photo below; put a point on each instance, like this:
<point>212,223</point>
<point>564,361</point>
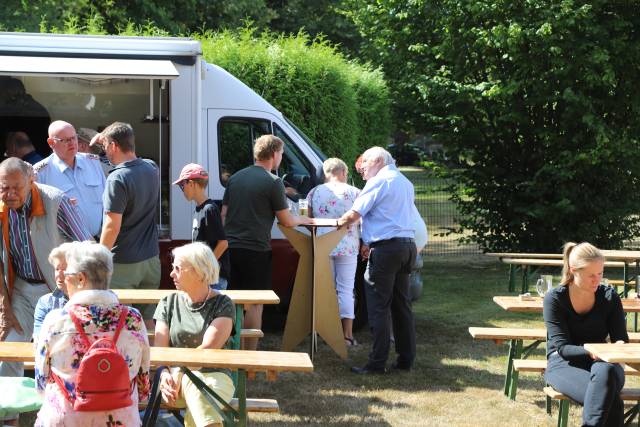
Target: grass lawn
<point>456,381</point>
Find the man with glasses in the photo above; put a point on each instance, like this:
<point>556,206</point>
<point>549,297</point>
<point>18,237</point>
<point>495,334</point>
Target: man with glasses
<point>78,175</point>
<point>34,219</point>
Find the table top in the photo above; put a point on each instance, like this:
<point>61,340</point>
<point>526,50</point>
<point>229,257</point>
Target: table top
<point>551,262</point>
<point>152,296</point>
<point>231,359</point>
<point>514,304</point>
<point>609,254</point>
<point>616,353</point>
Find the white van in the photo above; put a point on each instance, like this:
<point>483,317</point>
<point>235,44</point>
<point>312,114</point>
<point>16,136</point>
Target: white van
<point>182,110</point>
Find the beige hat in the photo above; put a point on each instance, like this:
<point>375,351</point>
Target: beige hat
<point>86,134</point>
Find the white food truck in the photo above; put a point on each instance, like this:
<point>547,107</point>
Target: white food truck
<point>182,109</point>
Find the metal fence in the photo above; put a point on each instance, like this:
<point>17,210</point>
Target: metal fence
<point>439,213</point>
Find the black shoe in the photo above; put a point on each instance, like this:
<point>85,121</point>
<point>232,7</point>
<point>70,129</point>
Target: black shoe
<point>400,367</point>
<point>365,370</point>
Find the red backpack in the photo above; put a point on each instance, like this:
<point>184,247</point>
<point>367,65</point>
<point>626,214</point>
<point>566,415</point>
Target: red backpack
<point>102,379</point>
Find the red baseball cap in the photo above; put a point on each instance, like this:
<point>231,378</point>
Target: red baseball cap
<point>192,171</point>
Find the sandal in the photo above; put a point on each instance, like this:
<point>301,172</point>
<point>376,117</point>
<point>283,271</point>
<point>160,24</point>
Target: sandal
<point>351,342</point>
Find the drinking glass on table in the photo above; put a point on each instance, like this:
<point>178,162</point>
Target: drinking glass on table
<point>541,287</point>
<point>548,279</point>
<point>303,207</point>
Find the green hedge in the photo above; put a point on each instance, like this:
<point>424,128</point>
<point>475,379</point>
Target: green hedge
<point>342,105</point>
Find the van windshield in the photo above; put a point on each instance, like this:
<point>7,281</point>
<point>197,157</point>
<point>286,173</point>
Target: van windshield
<point>308,140</point>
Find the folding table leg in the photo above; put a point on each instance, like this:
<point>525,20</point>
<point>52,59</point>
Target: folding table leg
<point>563,415</point>
<point>512,277</point>
<point>511,378</point>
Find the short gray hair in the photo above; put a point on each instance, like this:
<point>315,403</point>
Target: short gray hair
<point>376,153</point>
<point>16,165</point>
<point>199,256</point>
<point>59,253</point>
<point>333,165</point>
<point>92,259</point>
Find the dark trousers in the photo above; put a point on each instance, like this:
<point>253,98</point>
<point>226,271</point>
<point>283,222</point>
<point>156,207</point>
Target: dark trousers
<point>594,384</point>
<point>387,289</point>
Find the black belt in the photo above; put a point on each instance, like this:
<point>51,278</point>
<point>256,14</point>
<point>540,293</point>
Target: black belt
<point>392,240</point>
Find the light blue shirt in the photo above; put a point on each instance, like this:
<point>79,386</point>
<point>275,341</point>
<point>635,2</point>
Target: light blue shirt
<point>386,206</point>
<point>46,303</point>
<point>85,183</point>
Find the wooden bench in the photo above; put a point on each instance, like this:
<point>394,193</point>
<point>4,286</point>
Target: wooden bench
<point>242,361</point>
<point>627,394</point>
<point>517,351</point>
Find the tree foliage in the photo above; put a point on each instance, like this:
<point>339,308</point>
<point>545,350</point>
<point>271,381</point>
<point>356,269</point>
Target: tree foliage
<point>538,99</point>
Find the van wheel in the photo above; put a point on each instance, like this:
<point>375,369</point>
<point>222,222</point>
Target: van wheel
<point>360,307</point>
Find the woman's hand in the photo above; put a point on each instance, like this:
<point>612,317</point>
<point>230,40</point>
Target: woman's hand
<point>169,387</point>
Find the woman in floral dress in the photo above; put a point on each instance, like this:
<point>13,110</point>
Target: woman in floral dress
<point>331,200</point>
<point>60,347</point>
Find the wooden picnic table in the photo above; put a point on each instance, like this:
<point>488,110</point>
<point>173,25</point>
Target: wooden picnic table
<point>614,258</point>
<point>153,296</point>
<point>617,353</point>
<point>516,305</point>
<point>241,361</point>
<point>239,297</point>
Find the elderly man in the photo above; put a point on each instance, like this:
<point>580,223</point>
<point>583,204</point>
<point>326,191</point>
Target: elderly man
<point>78,175</point>
<point>253,199</point>
<point>386,208</point>
<point>130,205</point>
<point>35,218</point>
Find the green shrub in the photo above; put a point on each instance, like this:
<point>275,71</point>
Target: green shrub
<point>341,105</point>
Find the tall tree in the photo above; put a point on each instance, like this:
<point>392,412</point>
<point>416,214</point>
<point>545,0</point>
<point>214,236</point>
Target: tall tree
<point>539,100</point>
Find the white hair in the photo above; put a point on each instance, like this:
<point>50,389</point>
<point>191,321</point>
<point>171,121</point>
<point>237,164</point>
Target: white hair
<point>376,153</point>
<point>59,253</point>
<point>333,165</point>
<point>92,259</point>
<point>199,256</point>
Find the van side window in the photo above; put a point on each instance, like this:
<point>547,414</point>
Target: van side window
<point>295,169</point>
<point>235,139</point>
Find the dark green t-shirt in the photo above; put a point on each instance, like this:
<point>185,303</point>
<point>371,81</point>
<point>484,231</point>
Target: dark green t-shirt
<point>252,197</point>
<point>188,323</point>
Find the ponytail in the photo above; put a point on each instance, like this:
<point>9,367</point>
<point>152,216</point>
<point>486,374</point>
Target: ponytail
<point>577,256</point>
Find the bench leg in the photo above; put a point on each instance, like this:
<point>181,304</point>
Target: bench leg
<point>525,279</point>
<point>631,414</point>
<point>547,405</point>
<point>563,414</point>
<point>512,278</point>
<point>236,340</point>
<point>241,391</point>
<point>511,379</point>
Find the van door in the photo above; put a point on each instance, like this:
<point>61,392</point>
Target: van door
<point>230,138</point>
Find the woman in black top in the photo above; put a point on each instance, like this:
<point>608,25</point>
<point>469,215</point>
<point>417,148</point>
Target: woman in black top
<point>583,311</point>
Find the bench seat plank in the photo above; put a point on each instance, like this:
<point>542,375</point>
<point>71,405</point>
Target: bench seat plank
<point>253,405</point>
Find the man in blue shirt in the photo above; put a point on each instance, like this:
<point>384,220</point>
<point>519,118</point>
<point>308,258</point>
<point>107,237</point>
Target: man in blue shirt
<point>78,175</point>
<point>385,205</point>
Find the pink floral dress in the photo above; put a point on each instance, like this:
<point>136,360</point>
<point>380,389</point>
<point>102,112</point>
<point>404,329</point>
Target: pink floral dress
<point>332,200</point>
<point>60,349</point>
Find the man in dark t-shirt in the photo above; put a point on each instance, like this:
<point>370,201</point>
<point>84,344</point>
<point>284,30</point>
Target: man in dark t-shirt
<point>253,199</point>
<point>207,223</point>
<point>130,202</point>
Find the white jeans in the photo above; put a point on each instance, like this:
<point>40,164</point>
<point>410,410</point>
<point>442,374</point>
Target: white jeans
<point>344,272</point>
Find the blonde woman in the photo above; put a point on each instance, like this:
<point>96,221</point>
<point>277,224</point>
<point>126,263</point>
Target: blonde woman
<point>197,317</point>
<point>581,311</point>
<point>331,200</point>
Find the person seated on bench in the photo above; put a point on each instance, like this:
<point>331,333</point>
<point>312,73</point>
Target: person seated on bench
<point>581,311</point>
<point>73,388</point>
<point>197,317</point>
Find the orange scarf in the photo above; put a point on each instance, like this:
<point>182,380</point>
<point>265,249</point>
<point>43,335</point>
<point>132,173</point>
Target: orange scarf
<point>37,209</point>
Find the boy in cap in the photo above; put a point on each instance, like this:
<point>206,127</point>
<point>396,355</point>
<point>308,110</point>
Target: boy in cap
<point>207,223</point>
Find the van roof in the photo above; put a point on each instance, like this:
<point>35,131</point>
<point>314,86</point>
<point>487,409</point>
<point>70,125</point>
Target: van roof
<point>84,46</point>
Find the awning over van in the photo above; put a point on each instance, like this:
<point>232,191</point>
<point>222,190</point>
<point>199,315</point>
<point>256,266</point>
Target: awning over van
<point>87,67</point>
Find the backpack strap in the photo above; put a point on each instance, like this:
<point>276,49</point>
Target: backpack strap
<point>78,325</point>
<point>121,322</point>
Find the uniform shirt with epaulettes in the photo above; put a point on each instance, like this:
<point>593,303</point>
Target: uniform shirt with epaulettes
<point>85,182</point>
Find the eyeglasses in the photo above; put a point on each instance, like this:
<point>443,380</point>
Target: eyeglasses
<point>67,141</point>
<point>183,184</point>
